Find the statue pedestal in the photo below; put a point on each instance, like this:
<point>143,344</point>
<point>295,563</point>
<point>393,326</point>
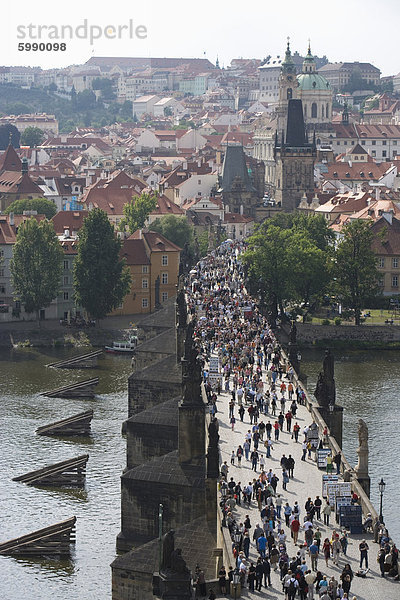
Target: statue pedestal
<point>365,482</point>
<point>334,420</point>
<point>173,586</point>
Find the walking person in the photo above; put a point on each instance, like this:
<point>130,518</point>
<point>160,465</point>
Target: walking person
<point>285,479</point>
<point>326,549</point>
<point>313,550</point>
<point>363,548</point>
<point>326,511</point>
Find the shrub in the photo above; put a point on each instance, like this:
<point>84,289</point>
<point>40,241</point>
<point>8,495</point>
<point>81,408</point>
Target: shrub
<point>338,321</point>
<point>326,322</point>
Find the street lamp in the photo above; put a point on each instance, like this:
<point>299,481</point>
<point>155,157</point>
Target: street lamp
<point>223,494</point>
<point>236,581</point>
<point>381,486</point>
<point>238,538</point>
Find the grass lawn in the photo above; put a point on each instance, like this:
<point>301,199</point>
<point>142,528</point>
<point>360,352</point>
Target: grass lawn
<point>378,317</point>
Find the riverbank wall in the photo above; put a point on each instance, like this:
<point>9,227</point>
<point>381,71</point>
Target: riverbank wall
<point>361,336</point>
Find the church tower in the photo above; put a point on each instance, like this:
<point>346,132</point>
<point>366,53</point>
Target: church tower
<point>295,158</point>
<point>287,87</point>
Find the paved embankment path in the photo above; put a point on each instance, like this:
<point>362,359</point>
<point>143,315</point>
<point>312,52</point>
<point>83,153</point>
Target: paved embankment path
<point>307,482</point>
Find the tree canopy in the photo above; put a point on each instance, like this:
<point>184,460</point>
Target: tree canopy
<point>288,261</point>
<point>101,278</point>
<point>9,133</point>
<point>355,270</point>
<point>179,231</point>
<point>136,212</point>
<point>43,206</point>
<point>36,264</point>
<point>32,136</point>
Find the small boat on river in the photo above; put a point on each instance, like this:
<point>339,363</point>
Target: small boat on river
<point>123,345</point>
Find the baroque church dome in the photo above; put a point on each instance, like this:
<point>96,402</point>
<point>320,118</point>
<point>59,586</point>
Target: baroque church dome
<point>309,79</point>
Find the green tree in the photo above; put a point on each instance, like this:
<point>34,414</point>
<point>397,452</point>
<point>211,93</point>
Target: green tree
<point>309,271</point>
<point>288,261</point>
<point>32,136</point>
<point>9,133</point>
<point>41,205</point>
<point>36,265</point>
<point>86,100</point>
<point>267,266</point>
<point>101,278</point>
<point>106,87</point>
<point>136,212</point>
<point>176,229</point>
<point>355,267</point>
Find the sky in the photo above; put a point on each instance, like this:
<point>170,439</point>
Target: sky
<point>351,30</point>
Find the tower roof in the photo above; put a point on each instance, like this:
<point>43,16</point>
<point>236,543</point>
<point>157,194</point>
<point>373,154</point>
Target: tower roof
<point>10,160</point>
<point>288,65</point>
<point>235,166</point>
<point>295,130</point>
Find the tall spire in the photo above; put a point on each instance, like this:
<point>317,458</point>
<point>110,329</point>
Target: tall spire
<point>288,65</point>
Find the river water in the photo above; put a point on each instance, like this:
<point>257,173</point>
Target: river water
<point>367,386</point>
<point>23,376</point>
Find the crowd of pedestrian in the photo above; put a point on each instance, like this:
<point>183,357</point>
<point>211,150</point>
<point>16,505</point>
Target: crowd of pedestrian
<point>263,392</point>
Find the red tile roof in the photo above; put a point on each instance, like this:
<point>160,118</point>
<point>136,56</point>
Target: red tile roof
<point>155,241</point>
<point>10,161</point>
<point>166,207</point>
<point>69,219</point>
<point>134,251</point>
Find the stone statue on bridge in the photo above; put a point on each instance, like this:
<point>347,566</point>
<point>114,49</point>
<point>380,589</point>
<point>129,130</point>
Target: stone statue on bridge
<point>362,450</point>
<point>325,391</point>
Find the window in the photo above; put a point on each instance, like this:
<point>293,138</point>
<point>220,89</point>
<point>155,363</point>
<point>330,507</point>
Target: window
<point>66,280</point>
<point>314,110</point>
<point>1,253</point>
<point>383,153</point>
<point>66,264</point>
<point>373,142</point>
<point>164,260</point>
<point>327,111</point>
<point>381,263</point>
<point>373,153</point>
<point>145,284</point>
<point>395,263</point>
<point>384,143</point>
<point>66,296</point>
<point>199,181</point>
<point>164,278</point>
<point>145,303</point>
<point>344,143</point>
<point>395,281</point>
<point>145,269</point>
<point>164,296</point>
<point>1,272</point>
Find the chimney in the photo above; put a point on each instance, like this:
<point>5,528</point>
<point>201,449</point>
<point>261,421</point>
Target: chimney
<point>140,234</point>
<point>66,233</point>
<point>11,219</point>
<point>377,193</point>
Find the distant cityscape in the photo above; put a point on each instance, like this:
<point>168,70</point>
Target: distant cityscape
<point>213,144</point>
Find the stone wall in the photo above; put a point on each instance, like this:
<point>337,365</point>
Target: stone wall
<point>140,501</point>
<point>154,385</point>
<point>144,441</point>
<point>131,586</point>
<point>307,333</point>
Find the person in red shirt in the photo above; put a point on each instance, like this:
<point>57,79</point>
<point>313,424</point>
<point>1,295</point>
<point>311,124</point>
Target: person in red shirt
<point>276,429</point>
<point>294,528</point>
<point>288,418</point>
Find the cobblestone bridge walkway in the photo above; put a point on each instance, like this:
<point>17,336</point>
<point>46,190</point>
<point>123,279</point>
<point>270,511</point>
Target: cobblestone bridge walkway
<point>307,482</point>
